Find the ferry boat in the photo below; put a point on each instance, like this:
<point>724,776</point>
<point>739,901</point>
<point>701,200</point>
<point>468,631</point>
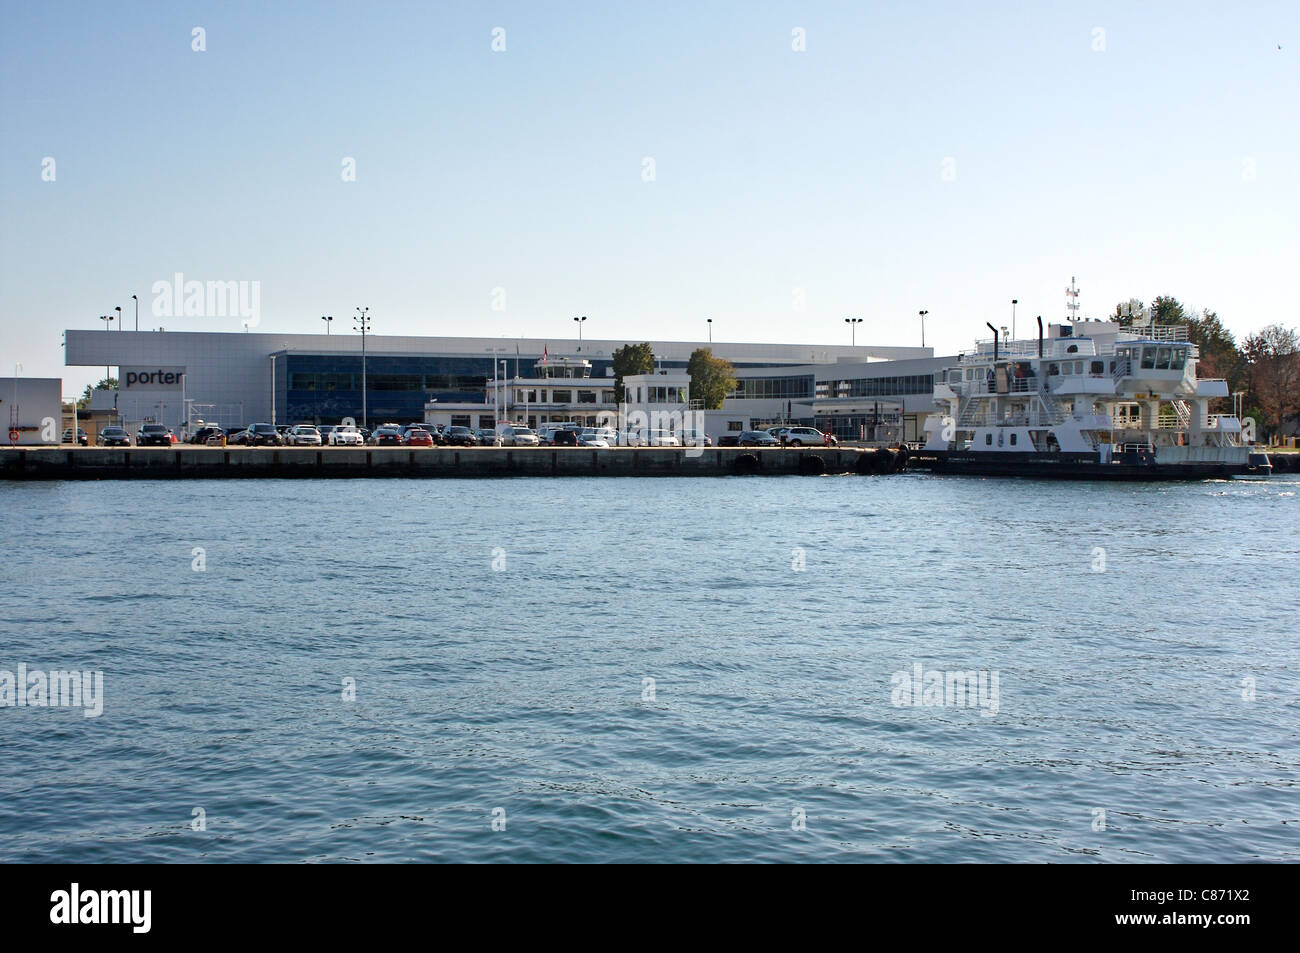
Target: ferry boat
<point>1089,400</point>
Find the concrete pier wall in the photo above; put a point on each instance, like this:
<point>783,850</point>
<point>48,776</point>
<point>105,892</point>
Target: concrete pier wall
<point>93,463</point>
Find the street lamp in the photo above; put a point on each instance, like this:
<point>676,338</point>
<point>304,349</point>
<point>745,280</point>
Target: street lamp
<point>362,323</point>
<point>137,311</point>
<point>1014,302</point>
<point>923,314</point>
<point>327,319</point>
<point>853,328</point>
<point>118,309</point>
<point>580,322</point>
<point>273,391</point>
<point>709,321</point>
<point>107,319</point>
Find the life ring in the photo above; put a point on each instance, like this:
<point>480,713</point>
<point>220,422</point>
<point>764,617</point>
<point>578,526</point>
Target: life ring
<point>13,436</point>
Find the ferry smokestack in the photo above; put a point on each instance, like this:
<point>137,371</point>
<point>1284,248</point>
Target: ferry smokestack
<point>995,338</point>
<point>1040,337</point>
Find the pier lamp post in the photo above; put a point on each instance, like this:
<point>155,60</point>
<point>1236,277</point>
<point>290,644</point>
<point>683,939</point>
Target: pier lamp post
<point>107,319</point>
<point>273,357</point>
<point>362,323</point>
<point>118,309</point>
<point>709,322</point>
<point>580,321</point>
<point>328,319</point>
<point>136,299</point>
<point>1014,302</point>
<point>853,329</point>
<point>923,314</point>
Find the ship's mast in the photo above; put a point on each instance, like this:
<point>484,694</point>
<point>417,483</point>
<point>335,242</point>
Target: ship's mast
<point>1072,301</point>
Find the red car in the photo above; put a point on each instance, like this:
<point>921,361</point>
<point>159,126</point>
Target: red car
<point>419,438</point>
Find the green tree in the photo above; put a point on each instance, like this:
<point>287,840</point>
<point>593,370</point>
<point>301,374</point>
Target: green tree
<point>1168,310</point>
<point>1219,355</point>
<point>631,359</point>
<point>712,378</point>
<point>107,383</point>
<point>1126,312</point>
<point>1273,357</point>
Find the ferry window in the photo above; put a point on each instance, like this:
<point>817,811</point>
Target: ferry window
<point>1053,370</point>
<point>1098,367</point>
<point>988,440</point>
<point>1179,359</point>
<point>1013,440</point>
<point>1148,358</point>
<point>1162,361</point>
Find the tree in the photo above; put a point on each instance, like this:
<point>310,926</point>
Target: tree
<point>1167,310</point>
<point>712,378</point>
<point>1126,312</point>
<point>631,359</point>
<point>1219,356</point>
<point>1273,357</point>
<point>108,383</point>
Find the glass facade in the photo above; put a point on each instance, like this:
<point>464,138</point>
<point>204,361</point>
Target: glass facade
<point>877,386</point>
<point>783,388</point>
<point>325,388</point>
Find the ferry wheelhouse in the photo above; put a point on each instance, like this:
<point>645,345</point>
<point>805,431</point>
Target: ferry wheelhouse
<point>1090,399</point>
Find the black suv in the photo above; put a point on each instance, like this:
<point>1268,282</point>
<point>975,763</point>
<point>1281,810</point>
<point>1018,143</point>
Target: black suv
<point>564,438</point>
<point>459,437</point>
<point>203,433</point>
<point>261,435</point>
<point>113,437</point>
<point>153,435</point>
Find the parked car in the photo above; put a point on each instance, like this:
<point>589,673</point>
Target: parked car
<point>729,440</point>
<point>804,437</point>
<point>283,431</point>
<point>153,435</point>
<point>82,438</point>
<point>325,430</point>
<point>486,436</point>
<point>459,437</point>
<point>113,437</point>
<point>202,435</point>
<point>345,437</point>
<point>695,438</point>
<point>757,438</point>
<point>303,435</point>
<point>262,435</point>
<point>662,438</point>
<point>519,437</point>
<point>236,436</point>
<point>216,438</point>
<point>592,438</point>
<point>564,438</point>
<point>365,434</point>
<point>386,437</point>
<point>416,437</point>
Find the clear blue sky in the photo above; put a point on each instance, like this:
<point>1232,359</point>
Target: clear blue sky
<point>775,169</point>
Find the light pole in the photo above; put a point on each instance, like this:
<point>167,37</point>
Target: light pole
<point>923,314</point>
<point>137,311</point>
<point>580,323</point>
<point>273,391</point>
<point>107,319</point>
<point>362,324</point>
<point>709,321</point>
<point>118,309</point>
<point>853,328</point>
<point>1014,302</point>
<point>328,319</point>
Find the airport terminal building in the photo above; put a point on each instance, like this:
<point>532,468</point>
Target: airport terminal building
<point>237,378</point>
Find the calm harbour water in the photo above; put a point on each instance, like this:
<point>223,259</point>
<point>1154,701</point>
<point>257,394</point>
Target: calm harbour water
<point>522,687</point>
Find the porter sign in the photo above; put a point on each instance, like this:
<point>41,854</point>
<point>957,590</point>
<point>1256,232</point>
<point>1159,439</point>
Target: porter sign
<point>152,378</point>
